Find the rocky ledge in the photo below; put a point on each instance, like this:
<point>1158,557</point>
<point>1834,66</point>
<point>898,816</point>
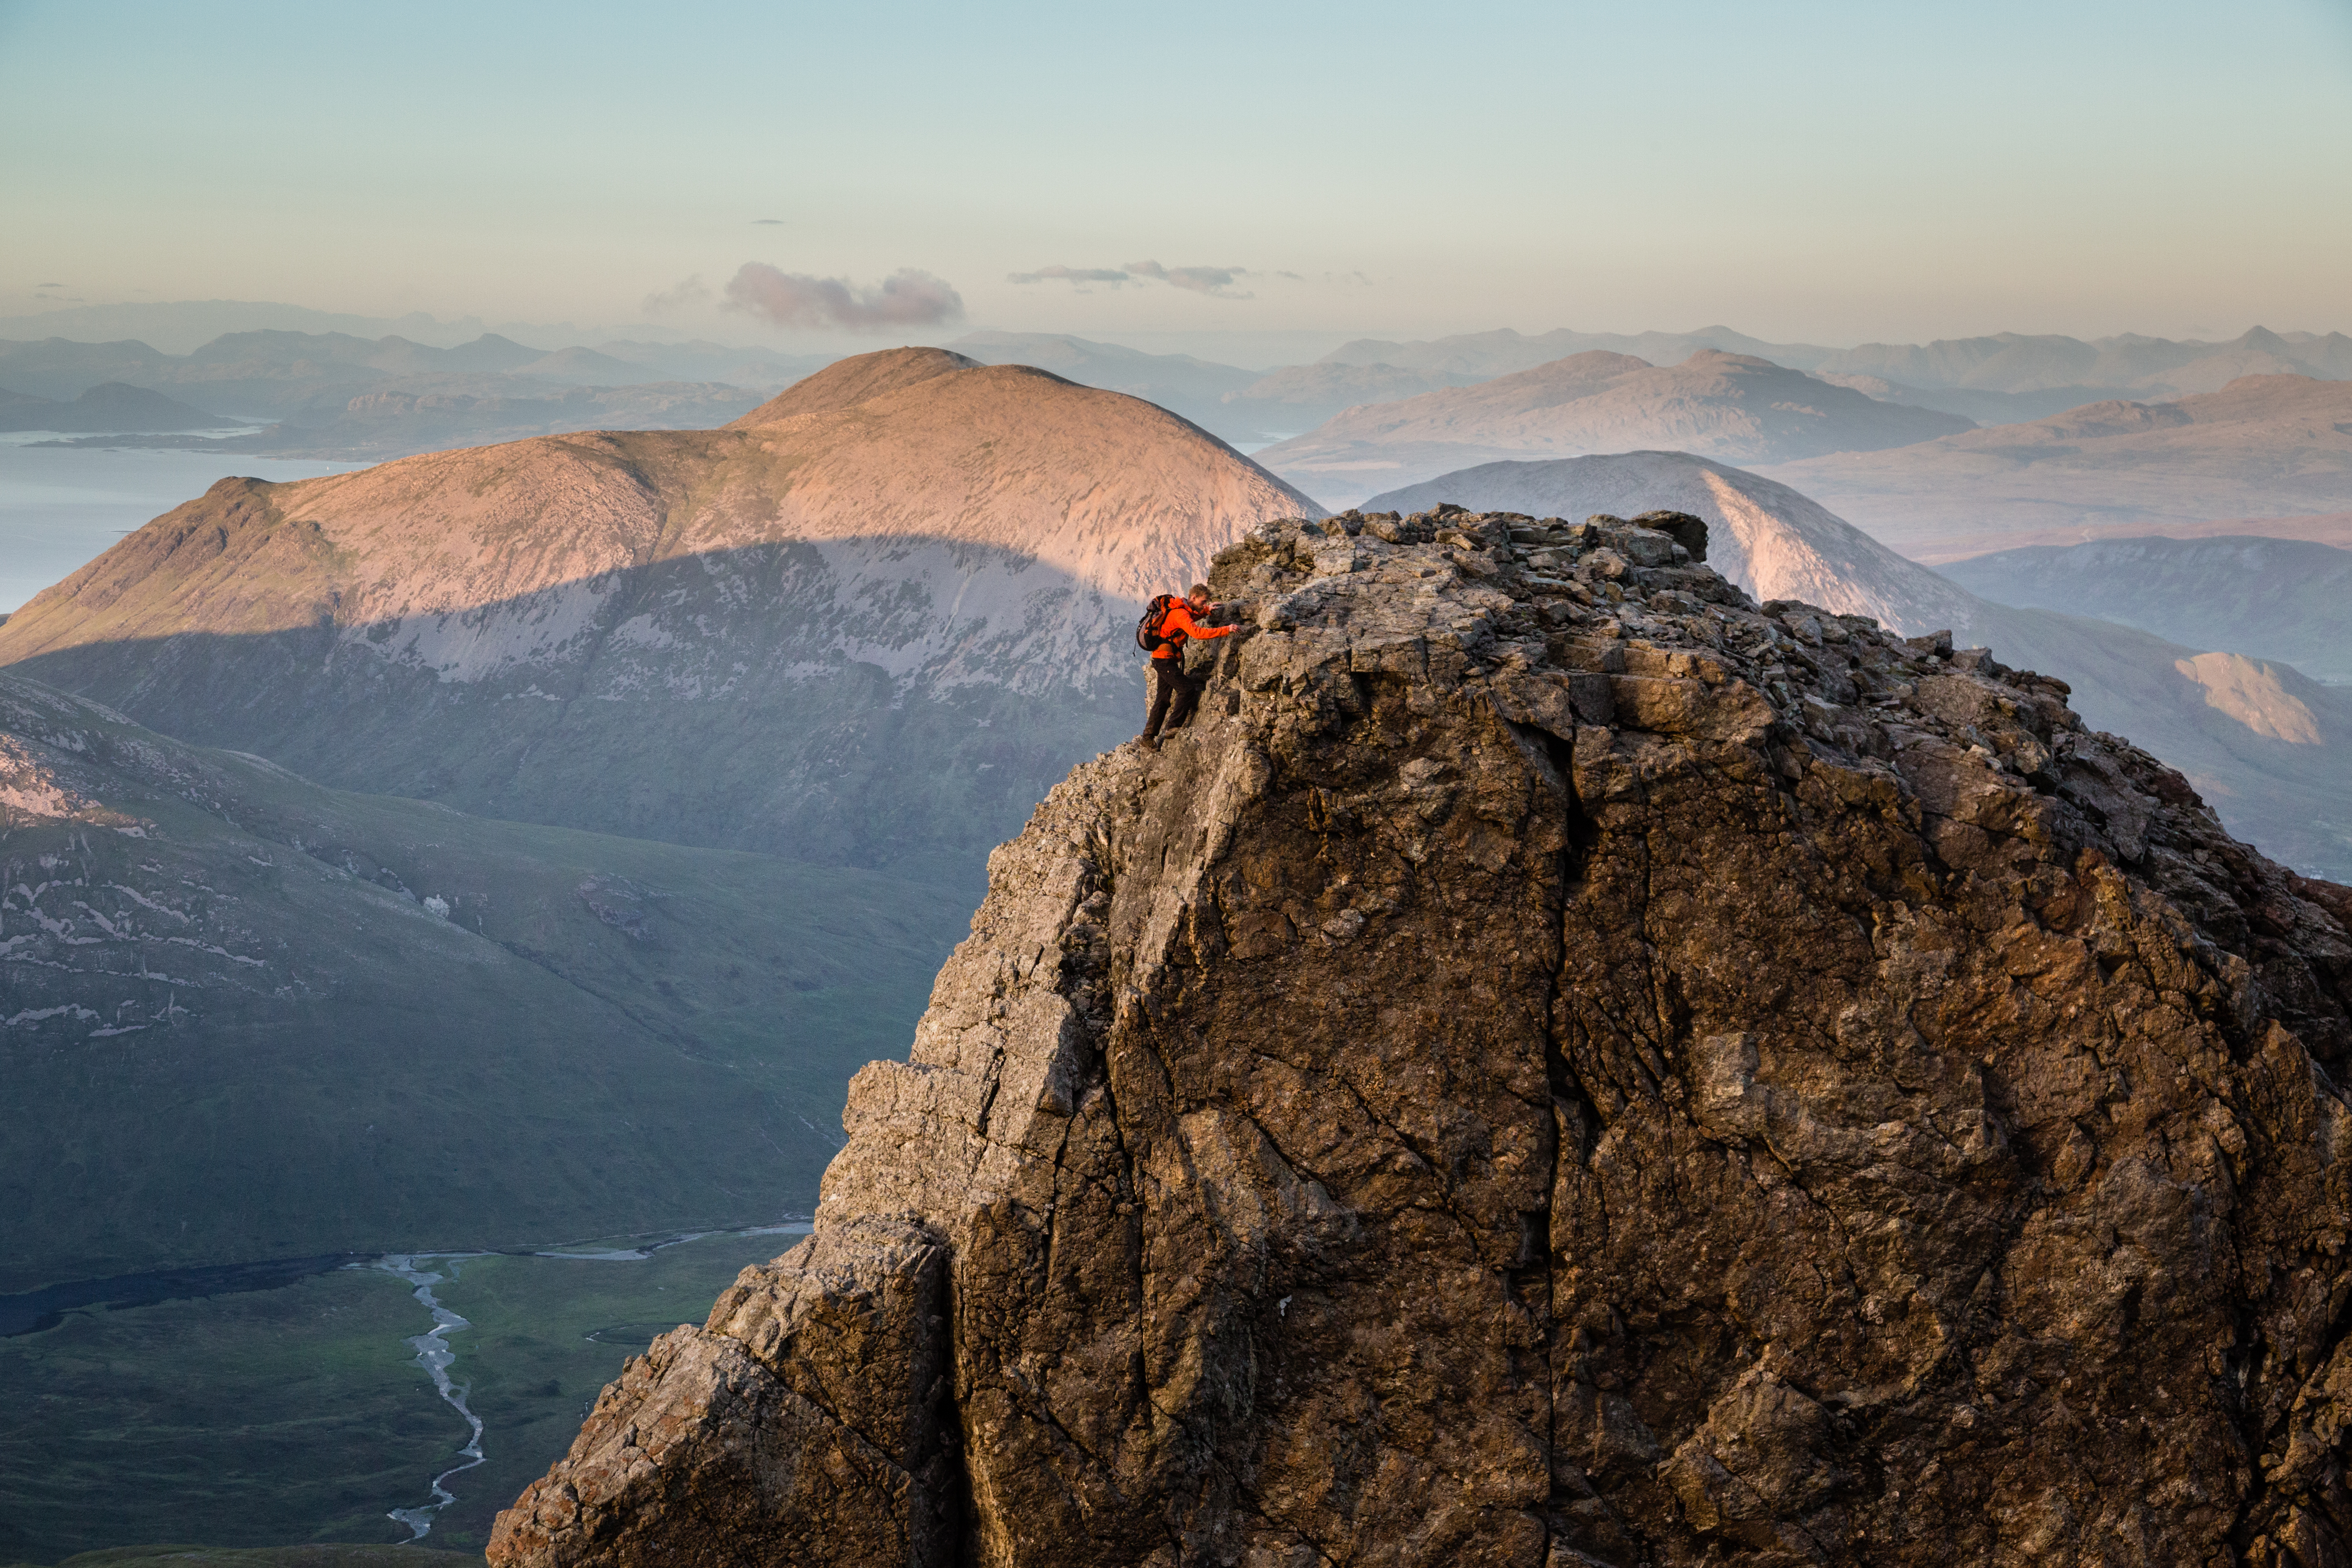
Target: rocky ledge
<point>1559,1065</point>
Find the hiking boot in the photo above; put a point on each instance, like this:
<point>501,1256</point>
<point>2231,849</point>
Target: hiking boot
<point>1148,742</point>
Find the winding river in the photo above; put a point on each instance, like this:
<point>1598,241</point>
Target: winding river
<point>434,1354</point>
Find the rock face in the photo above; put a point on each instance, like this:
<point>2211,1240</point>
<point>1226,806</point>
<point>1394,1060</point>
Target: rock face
<point>1766,538</point>
<point>1558,1065</point>
<point>2269,746</point>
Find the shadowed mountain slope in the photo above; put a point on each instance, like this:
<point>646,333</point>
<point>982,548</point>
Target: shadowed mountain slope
<point>863,626</point>
<point>1728,406</point>
<point>2282,785</point>
<point>2274,598</point>
<point>246,1017</point>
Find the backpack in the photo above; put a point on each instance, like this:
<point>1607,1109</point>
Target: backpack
<point>1155,616</point>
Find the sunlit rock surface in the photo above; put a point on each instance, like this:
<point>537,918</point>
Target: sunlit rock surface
<point>1559,1065</point>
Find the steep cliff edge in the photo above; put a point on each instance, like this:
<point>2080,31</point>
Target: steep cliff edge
<point>1558,1065</point>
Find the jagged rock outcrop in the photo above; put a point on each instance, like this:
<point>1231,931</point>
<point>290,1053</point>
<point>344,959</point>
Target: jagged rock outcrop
<point>2280,786</point>
<point>1559,1065</point>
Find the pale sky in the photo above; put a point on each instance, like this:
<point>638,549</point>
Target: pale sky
<point>1827,172</point>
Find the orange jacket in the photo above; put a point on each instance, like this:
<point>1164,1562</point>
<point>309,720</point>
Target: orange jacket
<point>1179,625</point>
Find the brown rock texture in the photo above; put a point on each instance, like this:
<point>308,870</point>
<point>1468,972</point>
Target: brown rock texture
<point>1558,1065</point>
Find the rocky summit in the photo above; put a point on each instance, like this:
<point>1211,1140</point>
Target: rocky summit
<point>1559,1065</point>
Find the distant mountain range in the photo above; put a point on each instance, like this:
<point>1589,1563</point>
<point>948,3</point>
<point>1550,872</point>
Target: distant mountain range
<point>435,412</point>
<point>109,406</point>
<point>2266,446</point>
<point>176,326</point>
<point>1994,380</point>
<point>1736,407</point>
<point>2271,748</point>
<point>262,362</point>
<point>331,394</point>
<point>2003,361</point>
<point>1485,355</point>
<point>1195,388</point>
<point>2012,362</point>
<point>271,372</point>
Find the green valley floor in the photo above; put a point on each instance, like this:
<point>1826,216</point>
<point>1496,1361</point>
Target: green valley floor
<point>292,1419</point>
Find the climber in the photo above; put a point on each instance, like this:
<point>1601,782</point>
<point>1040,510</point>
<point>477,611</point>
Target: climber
<point>1167,622</point>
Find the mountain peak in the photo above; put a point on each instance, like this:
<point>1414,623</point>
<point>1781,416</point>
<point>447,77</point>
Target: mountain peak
<point>1425,1112</point>
<point>909,546</point>
<point>845,383</point>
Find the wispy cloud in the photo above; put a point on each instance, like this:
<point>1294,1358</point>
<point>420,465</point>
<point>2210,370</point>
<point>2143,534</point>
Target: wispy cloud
<point>1110,275</point>
<point>1213,281</point>
<point>692,291</point>
<point>758,221</point>
<point>1216,280</point>
<point>908,298</point>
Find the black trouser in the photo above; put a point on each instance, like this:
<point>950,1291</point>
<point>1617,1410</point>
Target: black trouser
<point>1173,695</point>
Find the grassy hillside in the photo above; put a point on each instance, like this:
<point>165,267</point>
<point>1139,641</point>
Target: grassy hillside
<point>250,1017</point>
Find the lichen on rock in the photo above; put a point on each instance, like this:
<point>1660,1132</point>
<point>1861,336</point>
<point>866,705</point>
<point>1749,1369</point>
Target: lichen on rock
<point>1559,1064</point>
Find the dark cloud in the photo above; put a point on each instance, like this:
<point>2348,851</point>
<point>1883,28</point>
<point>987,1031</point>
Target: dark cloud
<point>906,298</point>
<point>693,291</point>
<point>1111,275</point>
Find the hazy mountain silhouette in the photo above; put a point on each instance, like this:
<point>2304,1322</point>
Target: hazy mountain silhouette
<point>109,405</point>
<point>335,394</point>
<point>1499,352</point>
<point>2279,599</point>
<point>1730,407</point>
<point>2263,446</point>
